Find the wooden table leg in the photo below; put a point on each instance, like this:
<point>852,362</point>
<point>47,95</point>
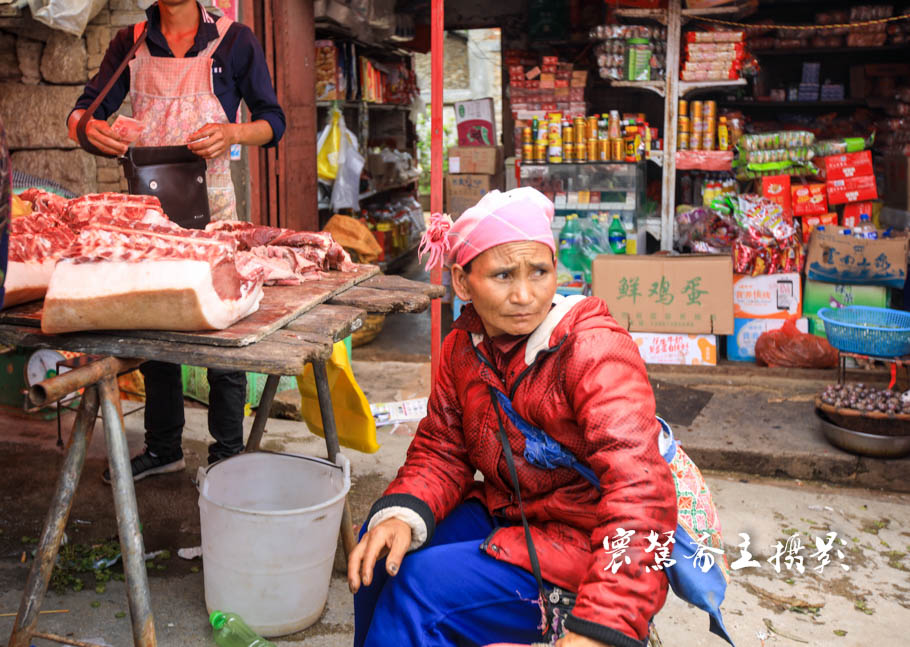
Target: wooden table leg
<point>39,575</point>
<point>262,413</point>
<point>137,586</point>
<point>333,447</point>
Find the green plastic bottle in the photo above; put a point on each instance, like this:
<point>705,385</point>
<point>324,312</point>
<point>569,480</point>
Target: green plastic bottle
<point>617,235</point>
<point>230,630</point>
<point>570,244</point>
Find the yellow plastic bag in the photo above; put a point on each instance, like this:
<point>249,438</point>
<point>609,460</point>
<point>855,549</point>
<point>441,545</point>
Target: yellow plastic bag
<point>353,419</point>
<point>329,146</point>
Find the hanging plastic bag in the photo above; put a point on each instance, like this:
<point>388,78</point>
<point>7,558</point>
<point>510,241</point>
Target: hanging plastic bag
<point>329,148</point>
<point>346,192</point>
<point>789,348</point>
<point>353,418</point>
<point>70,16</point>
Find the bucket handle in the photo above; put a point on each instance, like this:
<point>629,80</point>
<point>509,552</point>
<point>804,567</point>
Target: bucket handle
<point>341,463</point>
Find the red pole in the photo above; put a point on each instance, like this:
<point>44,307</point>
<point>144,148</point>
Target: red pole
<point>437,20</point>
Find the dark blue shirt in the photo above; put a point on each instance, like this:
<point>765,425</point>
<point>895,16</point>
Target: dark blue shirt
<point>239,71</point>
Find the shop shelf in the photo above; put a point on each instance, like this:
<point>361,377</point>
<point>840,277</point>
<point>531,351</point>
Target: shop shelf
<point>796,105</point>
<point>654,86</point>
<point>685,87</point>
<point>632,13</point>
<point>364,104</point>
<point>811,51</point>
<point>740,9</point>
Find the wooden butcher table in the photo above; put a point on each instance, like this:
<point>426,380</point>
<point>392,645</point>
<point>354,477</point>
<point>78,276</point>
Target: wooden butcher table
<point>295,325</point>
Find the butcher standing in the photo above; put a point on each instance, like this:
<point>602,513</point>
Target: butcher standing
<point>186,83</point>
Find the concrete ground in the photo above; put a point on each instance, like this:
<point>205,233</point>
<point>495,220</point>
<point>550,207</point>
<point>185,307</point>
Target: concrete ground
<point>758,427</point>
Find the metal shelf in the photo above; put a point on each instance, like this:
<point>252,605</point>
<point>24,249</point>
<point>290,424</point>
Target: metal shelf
<point>658,15</point>
<point>658,87</point>
<point>373,192</point>
<point>686,87</point>
<point>797,105</point>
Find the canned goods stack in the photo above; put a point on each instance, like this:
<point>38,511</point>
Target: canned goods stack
<point>606,137</point>
<point>630,52</point>
<point>699,128</point>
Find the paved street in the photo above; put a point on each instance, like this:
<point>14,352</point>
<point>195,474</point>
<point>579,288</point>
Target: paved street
<point>867,605</point>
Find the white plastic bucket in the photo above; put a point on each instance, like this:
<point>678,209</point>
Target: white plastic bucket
<point>270,525</point>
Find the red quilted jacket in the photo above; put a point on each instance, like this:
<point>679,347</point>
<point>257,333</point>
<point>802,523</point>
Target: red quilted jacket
<point>586,387</point>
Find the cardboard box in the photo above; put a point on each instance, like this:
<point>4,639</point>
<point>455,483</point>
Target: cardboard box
<point>486,160</point>
<point>463,191</point>
<point>476,122</point>
<point>767,296</point>
<point>818,295</point>
<point>836,258</point>
<point>841,167</point>
<point>741,344</point>
<point>854,189</point>
<point>897,182</point>
<point>809,223</point>
<point>689,293</point>
<point>687,350</point>
<point>808,200</point>
<point>853,213</point>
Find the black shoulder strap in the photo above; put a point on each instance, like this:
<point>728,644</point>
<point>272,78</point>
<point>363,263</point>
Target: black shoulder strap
<point>513,473</point>
<point>90,111</point>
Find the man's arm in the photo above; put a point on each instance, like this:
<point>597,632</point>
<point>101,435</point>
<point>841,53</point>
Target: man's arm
<point>97,130</point>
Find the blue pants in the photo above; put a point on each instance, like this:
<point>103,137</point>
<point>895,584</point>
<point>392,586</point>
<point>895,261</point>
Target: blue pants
<point>449,593</point>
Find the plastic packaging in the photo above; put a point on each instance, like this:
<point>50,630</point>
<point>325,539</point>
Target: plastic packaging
<point>229,630</point>
<point>787,347</point>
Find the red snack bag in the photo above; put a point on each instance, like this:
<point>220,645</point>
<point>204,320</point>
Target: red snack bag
<point>777,188</point>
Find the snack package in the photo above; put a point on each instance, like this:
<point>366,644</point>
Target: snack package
<point>777,189</point>
<point>826,147</point>
<point>715,36</point>
<point>808,200</point>
<point>777,140</point>
<point>128,129</point>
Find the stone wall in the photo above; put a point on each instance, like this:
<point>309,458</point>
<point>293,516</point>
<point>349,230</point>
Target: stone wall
<point>42,73</point>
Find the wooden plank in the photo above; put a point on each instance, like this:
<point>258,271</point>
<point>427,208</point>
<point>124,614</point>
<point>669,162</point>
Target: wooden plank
<point>280,305</point>
<point>395,282</point>
<point>384,301</point>
<point>270,357</point>
<point>335,321</point>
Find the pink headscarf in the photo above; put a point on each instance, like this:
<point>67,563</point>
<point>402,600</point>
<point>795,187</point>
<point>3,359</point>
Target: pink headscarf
<point>523,214</point>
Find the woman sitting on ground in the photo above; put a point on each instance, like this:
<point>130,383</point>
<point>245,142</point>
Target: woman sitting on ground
<point>520,357</point>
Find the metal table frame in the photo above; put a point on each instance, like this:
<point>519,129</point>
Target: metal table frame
<point>102,394</point>
<point>307,339</point>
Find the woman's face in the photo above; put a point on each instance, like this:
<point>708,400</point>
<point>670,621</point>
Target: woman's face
<point>511,286</point>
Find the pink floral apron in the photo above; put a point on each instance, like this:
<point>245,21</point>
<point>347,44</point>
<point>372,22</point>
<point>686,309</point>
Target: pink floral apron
<point>174,98</point>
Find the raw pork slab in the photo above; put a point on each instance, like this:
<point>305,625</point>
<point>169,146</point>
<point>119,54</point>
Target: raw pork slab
<point>128,275</point>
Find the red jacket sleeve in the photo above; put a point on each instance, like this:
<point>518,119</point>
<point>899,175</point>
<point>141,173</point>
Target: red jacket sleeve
<point>608,388</point>
<point>436,473</point>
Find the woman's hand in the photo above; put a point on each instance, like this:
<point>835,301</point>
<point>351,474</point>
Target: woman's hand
<point>212,140</point>
<point>104,138</point>
<point>392,537</point>
<point>576,640</point>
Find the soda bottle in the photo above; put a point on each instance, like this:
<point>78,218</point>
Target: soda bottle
<point>617,235</point>
<point>229,630</point>
<point>591,244</point>
<point>570,245</point>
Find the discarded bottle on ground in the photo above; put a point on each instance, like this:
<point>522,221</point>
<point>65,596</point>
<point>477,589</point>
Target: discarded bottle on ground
<point>230,630</point>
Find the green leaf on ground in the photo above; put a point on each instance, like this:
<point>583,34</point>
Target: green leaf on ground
<point>840,632</point>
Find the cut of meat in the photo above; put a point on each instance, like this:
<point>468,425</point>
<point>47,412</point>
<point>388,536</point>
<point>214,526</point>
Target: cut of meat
<point>280,265</point>
<point>317,247</point>
<point>36,242</point>
<point>125,274</point>
<point>44,202</point>
<point>169,294</point>
<point>82,210</point>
